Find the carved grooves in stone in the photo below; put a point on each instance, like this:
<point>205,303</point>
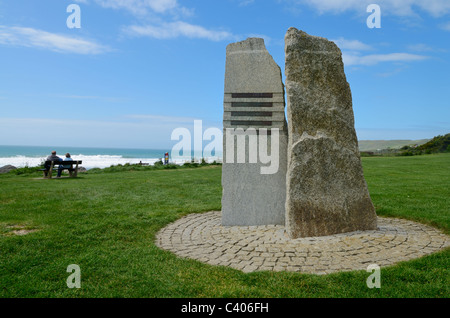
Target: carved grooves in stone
<point>252,95</point>
<point>245,110</point>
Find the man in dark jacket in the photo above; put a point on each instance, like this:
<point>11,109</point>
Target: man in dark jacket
<point>52,157</point>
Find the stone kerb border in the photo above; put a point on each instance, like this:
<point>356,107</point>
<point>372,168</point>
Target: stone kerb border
<point>268,248</point>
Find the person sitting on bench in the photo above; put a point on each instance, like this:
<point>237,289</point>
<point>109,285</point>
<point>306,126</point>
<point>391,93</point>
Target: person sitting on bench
<point>62,167</point>
<point>52,157</point>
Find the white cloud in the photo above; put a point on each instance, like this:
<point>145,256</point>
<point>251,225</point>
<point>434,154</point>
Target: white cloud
<point>141,7</point>
<point>244,3</point>
<point>446,26</point>
<point>176,29</point>
<point>160,11</point>
<point>101,98</point>
<point>29,37</point>
<point>435,7</point>
<point>352,45</point>
<point>420,47</point>
<point>394,7</point>
<point>392,72</point>
<point>336,6</point>
<point>352,53</point>
<point>133,131</point>
<point>165,119</point>
<point>89,132</point>
<point>372,59</point>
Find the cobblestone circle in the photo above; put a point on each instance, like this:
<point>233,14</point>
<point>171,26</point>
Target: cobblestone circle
<point>268,248</point>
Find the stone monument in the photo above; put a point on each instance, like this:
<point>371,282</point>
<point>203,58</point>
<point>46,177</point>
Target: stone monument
<point>326,190</point>
<point>255,137</point>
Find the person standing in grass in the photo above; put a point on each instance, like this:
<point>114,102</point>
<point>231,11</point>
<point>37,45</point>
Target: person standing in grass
<point>62,167</point>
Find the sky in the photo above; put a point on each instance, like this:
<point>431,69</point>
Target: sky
<point>133,71</point>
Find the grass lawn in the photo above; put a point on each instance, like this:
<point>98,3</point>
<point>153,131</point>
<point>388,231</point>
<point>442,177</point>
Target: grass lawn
<point>106,223</point>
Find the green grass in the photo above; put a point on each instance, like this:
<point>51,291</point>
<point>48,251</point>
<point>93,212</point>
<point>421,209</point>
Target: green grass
<point>106,223</point>
<point>415,188</point>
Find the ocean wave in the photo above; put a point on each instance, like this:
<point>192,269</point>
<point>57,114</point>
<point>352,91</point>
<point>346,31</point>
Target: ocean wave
<point>92,161</point>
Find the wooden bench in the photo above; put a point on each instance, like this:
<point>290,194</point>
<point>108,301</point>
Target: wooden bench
<point>73,172</point>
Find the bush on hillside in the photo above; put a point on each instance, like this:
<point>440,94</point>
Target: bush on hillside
<point>436,145</point>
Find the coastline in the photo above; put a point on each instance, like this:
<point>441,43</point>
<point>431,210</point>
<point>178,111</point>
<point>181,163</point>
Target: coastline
<point>32,156</point>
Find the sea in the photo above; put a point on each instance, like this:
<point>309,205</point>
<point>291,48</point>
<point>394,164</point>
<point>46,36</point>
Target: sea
<point>31,156</point>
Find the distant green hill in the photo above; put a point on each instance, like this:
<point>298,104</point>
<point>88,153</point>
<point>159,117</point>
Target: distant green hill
<point>376,145</point>
<point>435,145</point>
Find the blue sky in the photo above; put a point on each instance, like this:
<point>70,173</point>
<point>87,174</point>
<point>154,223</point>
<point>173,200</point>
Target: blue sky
<point>138,69</point>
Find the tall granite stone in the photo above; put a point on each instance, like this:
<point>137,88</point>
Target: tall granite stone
<point>255,137</point>
<point>326,190</point>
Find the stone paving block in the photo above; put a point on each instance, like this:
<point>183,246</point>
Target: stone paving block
<point>395,241</point>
